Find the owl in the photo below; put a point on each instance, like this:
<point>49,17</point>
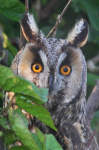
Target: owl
<point>60,66</point>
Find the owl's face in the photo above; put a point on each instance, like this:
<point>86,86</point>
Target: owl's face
<point>54,65</point>
<point>58,65</point>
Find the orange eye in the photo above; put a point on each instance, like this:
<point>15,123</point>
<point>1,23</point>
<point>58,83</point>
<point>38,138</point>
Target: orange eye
<point>65,70</point>
<point>37,67</point>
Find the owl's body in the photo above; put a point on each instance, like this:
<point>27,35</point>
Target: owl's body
<point>63,71</point>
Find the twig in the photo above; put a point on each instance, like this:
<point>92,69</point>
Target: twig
<point>93,102</point>
<point>91,139</point>
<point>54,34</point>
<point>27,5</point>
<point>59,19</point>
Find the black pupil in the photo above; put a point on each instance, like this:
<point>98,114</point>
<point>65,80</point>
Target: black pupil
<point>65,69</point>
<point>37,67</point>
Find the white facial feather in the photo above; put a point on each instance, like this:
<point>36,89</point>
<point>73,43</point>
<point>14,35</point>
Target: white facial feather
<point>58,77</point>
<point>61,58</point>
<point>43,76</point>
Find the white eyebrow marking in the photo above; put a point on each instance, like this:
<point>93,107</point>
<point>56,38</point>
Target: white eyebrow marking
<point>61,59</point>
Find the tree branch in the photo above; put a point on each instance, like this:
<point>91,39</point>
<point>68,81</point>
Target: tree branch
<point>59,19</point>
<point>91,139</point>
<point>91,64</point>
<point>93,102</point>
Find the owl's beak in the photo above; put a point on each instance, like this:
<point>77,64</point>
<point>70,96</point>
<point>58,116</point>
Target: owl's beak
<point>50,82</point>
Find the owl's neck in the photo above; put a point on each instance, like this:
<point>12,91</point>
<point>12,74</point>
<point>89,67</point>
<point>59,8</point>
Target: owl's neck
<point>75,112</point>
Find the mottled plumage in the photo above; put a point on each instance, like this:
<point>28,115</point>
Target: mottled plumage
<point>66,97</point>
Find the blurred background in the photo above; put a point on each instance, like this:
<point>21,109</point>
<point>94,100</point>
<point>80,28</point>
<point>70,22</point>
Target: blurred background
<point>45,13</point>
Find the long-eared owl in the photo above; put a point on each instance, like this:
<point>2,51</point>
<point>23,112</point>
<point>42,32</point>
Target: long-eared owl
<point>60,66</point>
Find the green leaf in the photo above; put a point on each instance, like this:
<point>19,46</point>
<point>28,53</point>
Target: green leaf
<point>35,137</point>
<point>19,148</point>
<point>10,58</point>
<point>20,129</point>
<point>51,143</point>
<point>93,35</point>
<point>22,87</point>
<point>26,91</point>
<point>1,133</point>
<point>28,99</point>
<point>91,78</point>
<point>38,111</point>
<point>3,54</point>
<point>91,11</point>
<point>43,2</point>
<point>4,123</point>
<point>0,107</point>
<point>19,112</point>
<point>42,138</point>
<point>42,92</point>
<point>5,73</point>
<point>12,9</point>
<point>8,137</point>
<point>7,44</point>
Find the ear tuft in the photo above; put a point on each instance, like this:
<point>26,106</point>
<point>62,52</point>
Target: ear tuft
<point>29,27</point>
<point>79,34</point>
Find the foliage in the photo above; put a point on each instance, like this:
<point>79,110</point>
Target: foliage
<point>7,44</point>
<point>3,54</point>
<point>15,126</point>
<point>12,10</point>
<point>10,13</point>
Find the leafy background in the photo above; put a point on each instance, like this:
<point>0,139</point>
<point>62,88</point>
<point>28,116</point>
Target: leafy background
<point>45,13</point>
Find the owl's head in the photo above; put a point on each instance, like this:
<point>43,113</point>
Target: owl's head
<point>56,64</point>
